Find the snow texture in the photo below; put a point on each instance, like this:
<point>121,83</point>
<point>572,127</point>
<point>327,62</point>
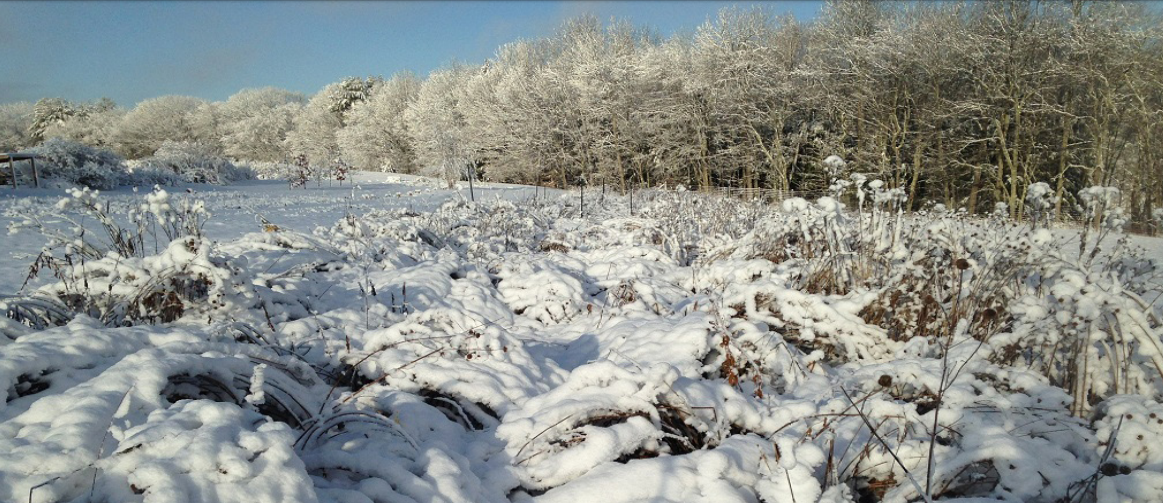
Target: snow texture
<point>393,341</point>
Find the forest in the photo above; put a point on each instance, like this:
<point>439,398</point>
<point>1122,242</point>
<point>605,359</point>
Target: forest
<point>959,104</point>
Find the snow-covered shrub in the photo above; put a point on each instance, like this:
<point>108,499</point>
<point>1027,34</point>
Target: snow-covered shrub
<point>185,279</point>
<point>118,281</point>
<point>1091,334</point>
<point>834,165</point>
<point>544,290</point>
<point>957,270</point>
<point>146,423</point>
<point>603,412</point>
<point>1102,205</point>
<point>267,170</point>
<point>873,283</point>
<point>144,174</point>
<point>1039,201</point>
<point>340,170</point>
<point>1101,212</point>
<point>78,164</point>
<point>1008,426</point>
<point>302,172</point>
<point>196,163</point>
<point>158,220</point>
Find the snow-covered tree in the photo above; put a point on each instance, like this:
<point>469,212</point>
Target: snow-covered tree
<point>154,121</point>
<point>318,122</point>
<point>91,124</point>
<point>46,112</point>
<point>375,136</point>
<point>438,127</point>
<point>15,120</point>
<point>254,122</point>
<point>301,173</point>
<point>504,107</point>
<point>350,91</point>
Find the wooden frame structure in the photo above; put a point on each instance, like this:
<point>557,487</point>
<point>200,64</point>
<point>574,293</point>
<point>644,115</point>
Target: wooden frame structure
<point>11,159</point>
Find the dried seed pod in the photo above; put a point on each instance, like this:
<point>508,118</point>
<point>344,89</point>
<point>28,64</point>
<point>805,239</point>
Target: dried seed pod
<point>1109,469</point>
<point>988,314</point>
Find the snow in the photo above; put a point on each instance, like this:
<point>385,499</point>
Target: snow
<point>239,208</point>
<point>392,340</point>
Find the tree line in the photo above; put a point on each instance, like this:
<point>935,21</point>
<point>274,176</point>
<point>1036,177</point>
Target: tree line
<point>959,103</point>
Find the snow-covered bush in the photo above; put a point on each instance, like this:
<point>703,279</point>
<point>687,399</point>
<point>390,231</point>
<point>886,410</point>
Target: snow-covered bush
<point>185,279</point>
<point>915,283</point>
<point>543,290</point>
<point>116,279</point>
<point>834,165</point>
<point>266,170</point>
<point>1039,201</point>
<point>1101,205</point>
<point>1101,213</point>
<point>78,164</point>
<point>196,163</point>
<point>140,173</point>
<point>301,173</point>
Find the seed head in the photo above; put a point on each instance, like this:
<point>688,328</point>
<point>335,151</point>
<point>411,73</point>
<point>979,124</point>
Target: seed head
<point>1109,469</point>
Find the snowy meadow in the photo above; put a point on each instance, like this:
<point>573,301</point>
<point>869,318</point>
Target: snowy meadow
<point>892,252</point>
<point>394,341</point>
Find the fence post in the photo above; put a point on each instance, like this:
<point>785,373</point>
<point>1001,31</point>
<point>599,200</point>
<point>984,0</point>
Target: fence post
<point>35,175</point>
<point>12,168</point>
<point>471,195</point>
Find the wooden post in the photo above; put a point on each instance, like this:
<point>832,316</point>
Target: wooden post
<point>471,171</point>
<point>35,175</point>
<point>12,168</point>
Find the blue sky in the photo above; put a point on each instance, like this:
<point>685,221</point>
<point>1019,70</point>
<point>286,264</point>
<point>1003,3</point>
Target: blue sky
<point>130,51</point>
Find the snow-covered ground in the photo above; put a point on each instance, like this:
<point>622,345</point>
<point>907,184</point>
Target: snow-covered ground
<point>237,209</point>
<point>399,343</point>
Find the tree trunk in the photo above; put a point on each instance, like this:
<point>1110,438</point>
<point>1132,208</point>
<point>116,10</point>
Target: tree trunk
<point>1060,184</point>
<point>917,152</point>
<point>973,190</point>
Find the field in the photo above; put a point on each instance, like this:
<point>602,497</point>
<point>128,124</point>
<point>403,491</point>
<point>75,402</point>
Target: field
<point>394,341</point>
